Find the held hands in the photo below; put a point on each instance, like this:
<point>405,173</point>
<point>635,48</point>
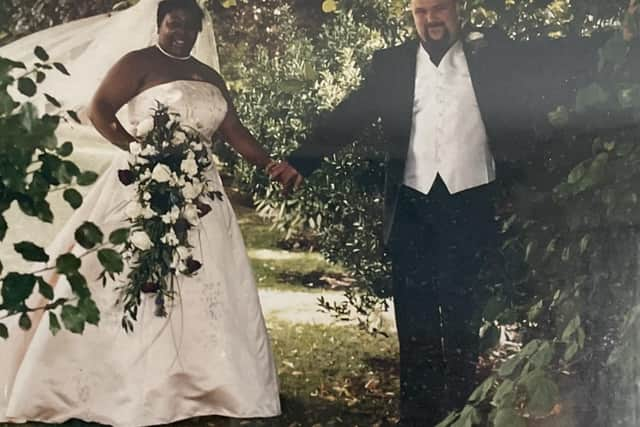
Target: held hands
<point>286,175</point>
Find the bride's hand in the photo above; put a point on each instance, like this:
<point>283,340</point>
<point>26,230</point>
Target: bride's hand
<point>287,175</point>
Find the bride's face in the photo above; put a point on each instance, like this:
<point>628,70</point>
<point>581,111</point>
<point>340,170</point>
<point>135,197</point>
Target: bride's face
<point>178,32</point>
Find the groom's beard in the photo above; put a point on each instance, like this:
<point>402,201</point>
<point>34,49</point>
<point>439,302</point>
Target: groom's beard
<point>437,48</point>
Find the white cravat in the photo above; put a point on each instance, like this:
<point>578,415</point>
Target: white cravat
<point>448,136</point>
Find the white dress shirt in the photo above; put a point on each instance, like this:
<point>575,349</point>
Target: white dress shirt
<point>448,136</point>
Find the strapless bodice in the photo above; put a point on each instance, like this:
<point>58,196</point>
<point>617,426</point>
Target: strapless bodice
<point>200,105</point>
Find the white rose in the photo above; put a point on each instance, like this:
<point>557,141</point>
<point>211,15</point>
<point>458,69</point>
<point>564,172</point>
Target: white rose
<point>170,238</point>
<point>148,213</point>
<point>149,150</point>
<point>189,166</point>
<point>191,190</point>
<point>172,216</point>
<point>190,213</point>
<point>179,138</point>
<point>144,127</point>
<point>141,240</point>
<point>133,210</point>
<point>183,252</point>
<point>145,175</point>
<point>161,173</point>
<point>139,160</point>
<point>135,148</point>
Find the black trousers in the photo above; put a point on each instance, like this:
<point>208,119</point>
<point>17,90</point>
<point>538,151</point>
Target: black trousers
<point>438,245</point>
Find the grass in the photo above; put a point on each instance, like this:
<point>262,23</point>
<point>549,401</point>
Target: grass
<point>329,376</point>
<point>279,269</point>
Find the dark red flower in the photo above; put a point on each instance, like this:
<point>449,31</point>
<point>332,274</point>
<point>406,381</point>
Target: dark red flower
<point>126,177</point>
<point>192,265</point>
<point>150,287</point>
<point>203,208</point>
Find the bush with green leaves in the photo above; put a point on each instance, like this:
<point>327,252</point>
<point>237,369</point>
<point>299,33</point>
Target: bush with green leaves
<point>34,164</point>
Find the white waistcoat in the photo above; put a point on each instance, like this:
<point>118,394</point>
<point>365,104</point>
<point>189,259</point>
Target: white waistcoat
<point>448,136</point>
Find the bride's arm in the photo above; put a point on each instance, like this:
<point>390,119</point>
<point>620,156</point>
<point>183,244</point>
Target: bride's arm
<point>119,85</point>
<point>237,135</point>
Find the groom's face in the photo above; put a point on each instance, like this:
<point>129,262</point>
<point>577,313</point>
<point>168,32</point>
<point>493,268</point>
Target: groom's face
<point>436,21</point>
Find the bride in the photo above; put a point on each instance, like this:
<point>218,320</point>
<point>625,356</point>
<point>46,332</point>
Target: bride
<point>212,355</point>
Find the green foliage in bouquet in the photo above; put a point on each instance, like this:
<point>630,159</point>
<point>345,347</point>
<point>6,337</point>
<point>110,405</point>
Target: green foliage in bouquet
<point>171,192</point>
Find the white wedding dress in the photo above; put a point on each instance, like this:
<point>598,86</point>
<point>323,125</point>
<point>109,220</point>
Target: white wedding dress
<point>211,356</point>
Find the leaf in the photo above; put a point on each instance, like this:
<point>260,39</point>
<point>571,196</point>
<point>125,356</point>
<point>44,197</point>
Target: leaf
<point>40,53</point>
<point>3,227</point>
<point>577,173</point>
<point>329,6</point>
<point>43,211</point>
<point>79,285</point>
<point>26,86</point>
<point>54,324</point>
<point>52,100</point>
<point>571,351</point>
<point>591,96</point>
<point>73,319</point>
<point>16,288</point>
<point>65,150</point>
<point>31,252</point>
<point>111,260</point>
<point>73,197</point>
<point>119,236</point>
<point>90,311</point>
<point>88,235</point>
<point>509,366</point>
<point>228,3</point>
<point>571,327</point>
<point>40,76</point>
<point>503,392</point>
<point>480,393</point>
<point>4,331</point>
<point>87,178</point>
<point>45,289</point>
<point>543,356</point>
<point>543,394</point>
<point>508,417</point>
<point>530,348</point>
<point>74,116</point>
<point>535,311</point>
<point>68,264</point>
<point>24,322</point>
<point>60,67</point>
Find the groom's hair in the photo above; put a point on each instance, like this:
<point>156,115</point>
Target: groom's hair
<point>191,6</point>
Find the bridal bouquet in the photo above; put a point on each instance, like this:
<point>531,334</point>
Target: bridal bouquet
<point>167,168</point>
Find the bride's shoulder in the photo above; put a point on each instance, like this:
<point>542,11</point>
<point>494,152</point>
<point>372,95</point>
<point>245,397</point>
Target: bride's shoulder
<point>209,74</point>
<point>135,59</point>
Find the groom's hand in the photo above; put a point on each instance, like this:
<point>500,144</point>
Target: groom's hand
<point>287,175</point>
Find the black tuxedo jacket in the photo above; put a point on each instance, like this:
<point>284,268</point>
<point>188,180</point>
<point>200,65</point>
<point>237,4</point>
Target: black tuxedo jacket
<point>514,89</point>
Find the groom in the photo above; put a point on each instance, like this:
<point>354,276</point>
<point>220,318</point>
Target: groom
<point>457,112</point>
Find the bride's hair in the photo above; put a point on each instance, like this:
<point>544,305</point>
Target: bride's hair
<point>167,6</point>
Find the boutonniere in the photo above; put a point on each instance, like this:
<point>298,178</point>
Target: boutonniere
<point>475,40</point>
